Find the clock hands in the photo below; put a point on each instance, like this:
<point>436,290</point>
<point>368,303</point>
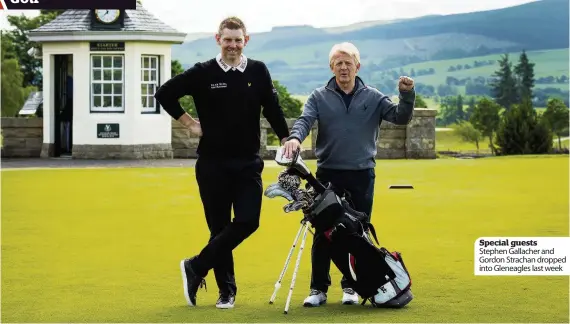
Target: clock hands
<point>107,15</point>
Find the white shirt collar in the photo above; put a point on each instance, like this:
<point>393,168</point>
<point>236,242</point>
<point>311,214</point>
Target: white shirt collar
<point>241,66</point>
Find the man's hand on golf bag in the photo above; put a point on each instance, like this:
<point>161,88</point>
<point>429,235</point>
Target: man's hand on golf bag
<point>290,147</point>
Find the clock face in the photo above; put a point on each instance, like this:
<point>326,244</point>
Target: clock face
<point>107,15</point>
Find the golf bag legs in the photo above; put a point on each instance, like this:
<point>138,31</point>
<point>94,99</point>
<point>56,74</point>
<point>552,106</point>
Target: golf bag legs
<point>278,283</point>
<point>304,228</point>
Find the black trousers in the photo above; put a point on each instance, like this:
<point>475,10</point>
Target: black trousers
<point>225,184</point>
<point>360,185</point>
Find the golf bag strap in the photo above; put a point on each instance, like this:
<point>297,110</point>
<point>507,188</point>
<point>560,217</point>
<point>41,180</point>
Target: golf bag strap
<point>373,232</point>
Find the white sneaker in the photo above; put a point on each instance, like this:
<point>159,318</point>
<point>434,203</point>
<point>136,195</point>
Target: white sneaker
<point>226,301</point>
<point>316,298</point>
<point>349,297</point>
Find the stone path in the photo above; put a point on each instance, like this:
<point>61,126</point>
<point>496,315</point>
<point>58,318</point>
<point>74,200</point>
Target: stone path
<point>66,163</point>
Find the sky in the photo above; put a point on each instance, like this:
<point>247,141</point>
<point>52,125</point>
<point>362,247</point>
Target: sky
<point>193,16</point>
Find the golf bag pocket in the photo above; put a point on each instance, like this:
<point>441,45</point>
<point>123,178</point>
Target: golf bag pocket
<point>326,210</point>
<point>396,293</point>
<point>385,293</point>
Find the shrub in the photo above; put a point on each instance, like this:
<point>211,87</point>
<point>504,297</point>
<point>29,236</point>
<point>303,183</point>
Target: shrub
<point>521,131</point>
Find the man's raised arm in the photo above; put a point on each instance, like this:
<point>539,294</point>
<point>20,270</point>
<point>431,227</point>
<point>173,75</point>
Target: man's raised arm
<point>401,113</point>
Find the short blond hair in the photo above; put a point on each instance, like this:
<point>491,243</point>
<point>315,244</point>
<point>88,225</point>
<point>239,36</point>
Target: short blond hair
<point>346,48</point>
<point>232,23</point>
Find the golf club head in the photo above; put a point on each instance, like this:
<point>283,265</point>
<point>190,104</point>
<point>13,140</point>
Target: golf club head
<point>295,161</point>
<point>293,206</point>
<point>288,181</point>
<point>276,190</point>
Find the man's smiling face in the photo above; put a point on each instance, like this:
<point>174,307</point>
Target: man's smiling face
<point>232,42</point>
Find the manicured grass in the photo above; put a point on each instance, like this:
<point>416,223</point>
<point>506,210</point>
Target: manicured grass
<point>447,140</point>
<point>104,245</point>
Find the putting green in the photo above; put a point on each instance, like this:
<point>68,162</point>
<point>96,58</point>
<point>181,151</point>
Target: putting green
<point>104,245</point>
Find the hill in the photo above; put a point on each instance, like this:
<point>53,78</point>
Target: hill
<point>472,76</point>
<point>298,55</point>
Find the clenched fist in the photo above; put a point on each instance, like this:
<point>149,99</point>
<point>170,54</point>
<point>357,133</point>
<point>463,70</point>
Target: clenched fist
<point>405,83</point>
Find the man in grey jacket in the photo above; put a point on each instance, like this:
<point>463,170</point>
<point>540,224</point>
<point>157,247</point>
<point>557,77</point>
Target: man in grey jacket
<point>349,114</point>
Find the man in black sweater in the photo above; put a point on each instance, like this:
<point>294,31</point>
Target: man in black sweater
<point>228,91</point>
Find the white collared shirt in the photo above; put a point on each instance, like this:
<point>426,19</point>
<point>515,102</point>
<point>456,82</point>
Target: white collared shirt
<point>241,66</point>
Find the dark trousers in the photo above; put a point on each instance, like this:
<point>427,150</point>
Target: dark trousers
<point>360,185</point>
<point>223,184</point>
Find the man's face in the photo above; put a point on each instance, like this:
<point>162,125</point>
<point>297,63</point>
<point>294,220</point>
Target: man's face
<point>232,42</point>
<point>344,68</point>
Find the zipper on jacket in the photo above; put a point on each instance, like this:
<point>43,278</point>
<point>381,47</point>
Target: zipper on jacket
<point>342,100</point>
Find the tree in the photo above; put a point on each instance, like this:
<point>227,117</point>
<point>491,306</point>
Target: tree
<point>292,107</point>
<point>459,104</point>
<point>524,71</point>
<point>521,132</point>
<point>175,68</point>
<point>556,118</point>
<point>186,102</point>
<point>29,65</point>
<point>468,133</point>
<point>12,94</point>
<point>12,91</point>
<point>447,113</point>
<point>470,108</point>
<point>504,89</point>
<point>420,103</point>
<point>485,119</point>
<point>8,50</point>
<point>451,111</point>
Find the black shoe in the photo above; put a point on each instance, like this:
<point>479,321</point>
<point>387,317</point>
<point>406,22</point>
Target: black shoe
<point>191,282</point>
<point>226,301</point>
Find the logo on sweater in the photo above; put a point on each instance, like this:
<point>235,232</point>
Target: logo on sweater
<point>219,85</point>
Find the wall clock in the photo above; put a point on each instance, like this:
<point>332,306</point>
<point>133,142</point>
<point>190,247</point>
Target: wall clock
<point>107,16</point>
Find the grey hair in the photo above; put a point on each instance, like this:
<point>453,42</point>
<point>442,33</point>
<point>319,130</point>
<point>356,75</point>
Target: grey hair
<point>347,48</point>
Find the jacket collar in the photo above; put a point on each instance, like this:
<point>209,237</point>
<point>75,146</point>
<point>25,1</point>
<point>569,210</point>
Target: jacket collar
<point>359,84</point>
<point>241,66</point>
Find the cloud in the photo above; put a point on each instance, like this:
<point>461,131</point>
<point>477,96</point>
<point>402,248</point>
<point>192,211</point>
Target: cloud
<point>4,24</point>
<point>204,16</point>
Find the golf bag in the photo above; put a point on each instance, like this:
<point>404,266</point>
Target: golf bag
<point>374,273</point>
<point>377,275</point>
